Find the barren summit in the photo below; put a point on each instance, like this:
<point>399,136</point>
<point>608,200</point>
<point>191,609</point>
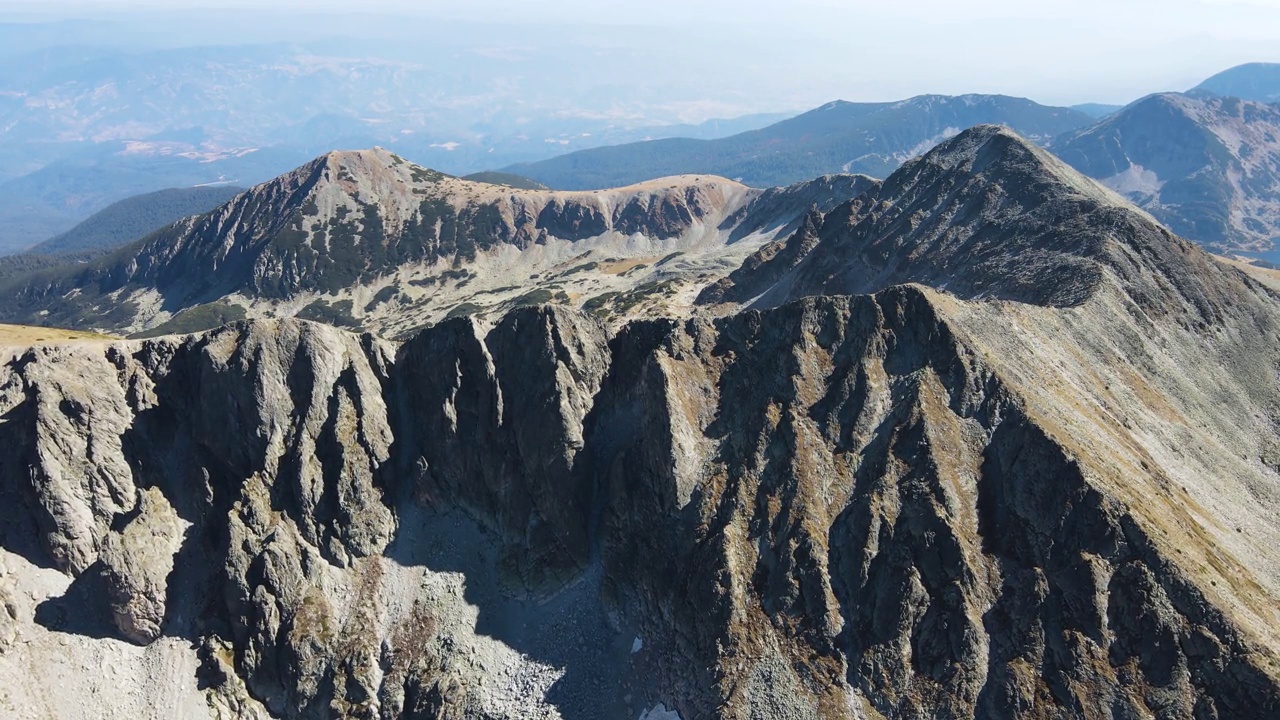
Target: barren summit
<point>982,440</point>
<point>367,239</point>
<point>985,215</point>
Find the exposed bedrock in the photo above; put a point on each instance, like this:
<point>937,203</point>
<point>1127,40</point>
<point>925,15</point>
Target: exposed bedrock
<point>832,507</point>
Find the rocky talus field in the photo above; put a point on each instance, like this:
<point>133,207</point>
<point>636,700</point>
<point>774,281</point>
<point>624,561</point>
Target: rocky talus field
<point>980,441</point>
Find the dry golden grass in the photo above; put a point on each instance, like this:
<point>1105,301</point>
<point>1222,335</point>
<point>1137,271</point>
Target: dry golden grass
<point>617,267</point>
<point>1266,276</point>
<point>27,335</point>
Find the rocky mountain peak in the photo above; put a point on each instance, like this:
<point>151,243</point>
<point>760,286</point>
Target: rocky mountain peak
<point>342,182</point>
<point>355,159</point>
<point>996,155</point>
<point>988,215</point>
<point>366,238</point>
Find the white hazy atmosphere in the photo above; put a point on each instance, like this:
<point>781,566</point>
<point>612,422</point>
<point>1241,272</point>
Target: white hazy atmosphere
<point>772,57</point>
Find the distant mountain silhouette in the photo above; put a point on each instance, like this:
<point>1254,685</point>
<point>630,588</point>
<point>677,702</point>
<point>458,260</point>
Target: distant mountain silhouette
<point>1254,81</point>
<point>840,137</point>
<point>134,218</point>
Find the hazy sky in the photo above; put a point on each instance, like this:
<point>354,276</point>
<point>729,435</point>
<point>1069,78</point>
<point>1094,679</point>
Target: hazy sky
<point>809,51</point>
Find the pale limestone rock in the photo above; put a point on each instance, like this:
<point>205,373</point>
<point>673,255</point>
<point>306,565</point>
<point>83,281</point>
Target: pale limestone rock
<point>137,562</point>
<point>10,617</point>
<point>76,475</point>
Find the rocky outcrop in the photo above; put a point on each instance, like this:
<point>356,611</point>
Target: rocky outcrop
<point>9,614</point>
<point>65,421</point>
<point>835,504</point>
<point>878,524</point>
<point>265,439</point>
<point>137,562</point>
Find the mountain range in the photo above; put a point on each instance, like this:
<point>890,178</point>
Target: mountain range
<point>981,439</point>
<point>368,239</point>
<point>1259,82</point>
<point>865,138</point>
<point>118,139</point>
<point>563,402</point>
<point>1205,162</point>
<point>83,126</point>
<point>1205,165</point>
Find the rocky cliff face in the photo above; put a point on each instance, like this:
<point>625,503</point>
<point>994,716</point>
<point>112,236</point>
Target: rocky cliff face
<point>836,506</point>
<point>1006,502</point>
<point>509,428</point>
